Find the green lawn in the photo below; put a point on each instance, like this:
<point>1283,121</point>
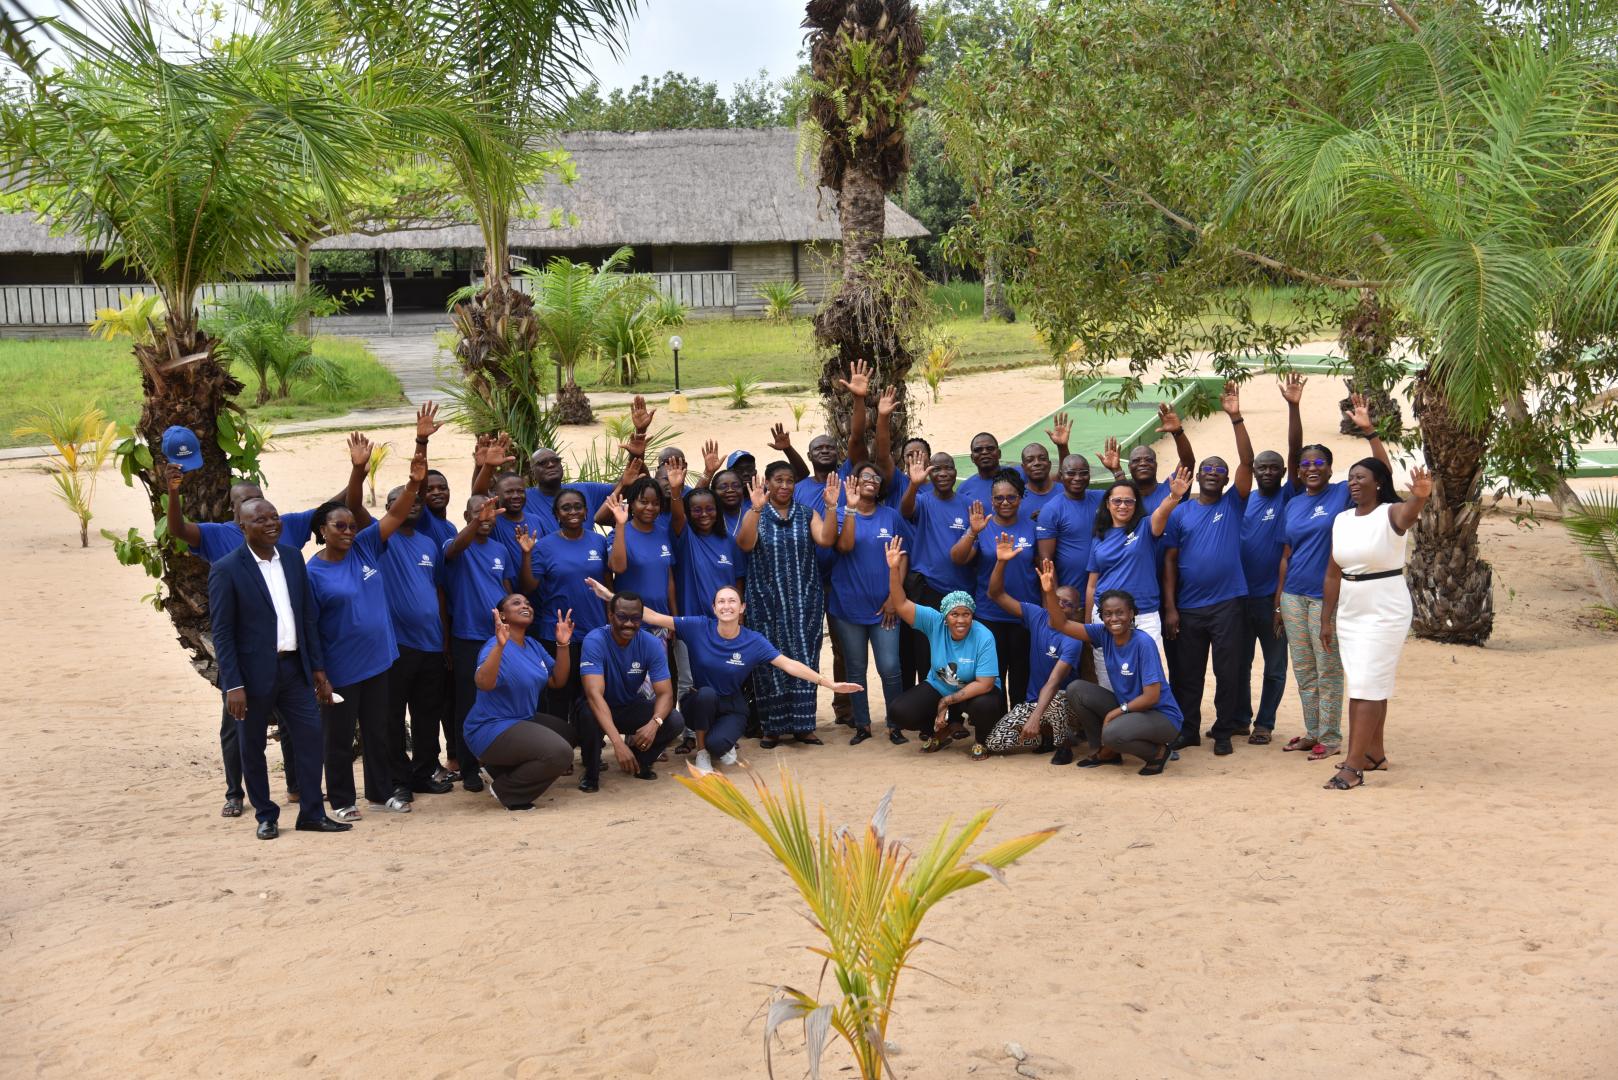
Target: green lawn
<point>104,373</point>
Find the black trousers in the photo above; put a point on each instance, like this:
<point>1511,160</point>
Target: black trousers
<point>629,717</point>
<point>1012,643</point>
<point>415,682</point>
<point>464,656</point>
<point>293,701</point>
<point>364,703</point>
<point>1216,629</point>
<point>527,758</point>
<point>1142,734</point>
<point>722,716</point>
<point>916,709</point>
<point>230,754</point>
<point>563,701</point>
<point>915,655</point>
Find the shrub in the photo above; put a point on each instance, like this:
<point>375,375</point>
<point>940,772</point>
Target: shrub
<point>83,438</point>
<point>779,298</point>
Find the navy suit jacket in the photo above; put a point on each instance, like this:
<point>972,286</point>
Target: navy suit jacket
<point>243,617</point>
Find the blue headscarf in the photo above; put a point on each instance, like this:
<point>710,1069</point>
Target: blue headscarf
<point>956,599</point>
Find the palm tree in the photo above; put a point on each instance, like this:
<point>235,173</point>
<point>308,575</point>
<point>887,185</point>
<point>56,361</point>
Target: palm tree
<point>575,308</point>
<point>192,164</point>
<point>1459,187</point>
<point>864,57</point>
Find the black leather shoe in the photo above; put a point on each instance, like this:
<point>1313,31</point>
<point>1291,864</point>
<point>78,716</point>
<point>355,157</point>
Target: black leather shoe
<point>589,785</point>
<point>472,782</point>
<point>1184,741</point>
<point>268,830</point>
<point>1223,747</point>
<point>323,825</point>
<point>432,787</point>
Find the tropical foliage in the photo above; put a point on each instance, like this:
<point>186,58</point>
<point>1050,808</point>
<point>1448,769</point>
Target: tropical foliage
<point>780,297</point>
<point>254,330</point>
<point>868,895</point>
<point>134,318</point>
<point>83,438</point>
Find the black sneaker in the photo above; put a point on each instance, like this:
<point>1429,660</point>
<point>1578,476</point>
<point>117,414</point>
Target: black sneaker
<point>1063,756</point>
<point>472,782</point>
<point>1222,747</point>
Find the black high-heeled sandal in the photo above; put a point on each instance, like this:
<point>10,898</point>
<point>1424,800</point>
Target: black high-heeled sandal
<point>1153,768</point>
<point>1337,782</point>
<point>1376,764</point>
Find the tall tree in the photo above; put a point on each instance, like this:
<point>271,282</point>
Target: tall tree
<point>865,57</point>
<point>191,161</point>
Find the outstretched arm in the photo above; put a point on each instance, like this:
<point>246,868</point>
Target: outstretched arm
<point>901,604</point>
<point>782,441</point>
<point>882,451</point>
<point>1169,424</point>
<point>407,498</point>
<point>1005,549</point>
<point>359,467</point>
<point>180,527</point>
<point>1292,390</point>
<point>1360,413</point>
<point>965,548</point>
<point>1402,516</point>
<point>810,675</point>
<point>1179,484</point>
<point>1053,607</point>
<point>1231,402</point>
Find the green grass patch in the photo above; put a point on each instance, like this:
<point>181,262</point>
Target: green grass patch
<point>104,373</point>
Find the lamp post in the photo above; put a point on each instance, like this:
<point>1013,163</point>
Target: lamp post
<point>677,402</point>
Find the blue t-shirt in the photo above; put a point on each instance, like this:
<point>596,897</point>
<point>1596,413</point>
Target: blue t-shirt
<point>1263,529</point>
<point>515,697</point>
<point>561,565</point>
<point>956,663</point>
<point>1022,573</point>
<point>412,575</point>
<point>505,531</point>
<point>936,525</point>
<point>812,492</point>
<point>649,559</point>
<point>220,539</point>
<point>356,632</point>
<point>1210,541</point>
<point>1149,503</point>
<point>477,581</point>
<point>437,528</point>
<point>897,488</point>
<point>701,565</point>
<point>628,670</point>
<point>1308,530</point>
<point>595,494</point>
<point>1072,524</point>
<point>859,578</point>
<point>976,488</point>
<point>1128,561</point>
<point>722,664</point>
<point>1047,647</point>
<point>1033,502</point>
<point>1134,666</point>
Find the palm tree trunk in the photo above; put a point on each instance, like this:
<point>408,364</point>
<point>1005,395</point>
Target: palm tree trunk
<point>300,286</point>
<point>995,306</point>
<point>1451,586</point>
<point>1367,337</point>
<point>183,384</point>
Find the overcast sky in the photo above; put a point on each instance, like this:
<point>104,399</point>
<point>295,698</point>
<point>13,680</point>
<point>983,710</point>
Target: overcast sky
<point>722,41</point>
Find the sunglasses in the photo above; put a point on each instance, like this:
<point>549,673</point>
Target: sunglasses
<point>1314,463</point>
<point>1121,502</point>
<point>1215,470</point>
<point>1004,498</point>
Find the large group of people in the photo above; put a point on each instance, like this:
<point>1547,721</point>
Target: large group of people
<point>667,613</point>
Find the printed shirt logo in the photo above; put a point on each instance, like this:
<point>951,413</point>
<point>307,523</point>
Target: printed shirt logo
<point>1050,650</point>
<point>1123,668</point>
<point>1320,511</point>
<point>1022,542</point>
<point>1269,514</point>
<point>426,560</point>
<point>1218,517</point>
<point>1130,538</point>
<point>367,572</point>
<point>724,560</point>
<point>634,666</point>
<point>883,533</point>
<point>958,523</point>
<point>735,660</point>
<point>498,564</point>
<point>665,552</point>
<point>594,556</point>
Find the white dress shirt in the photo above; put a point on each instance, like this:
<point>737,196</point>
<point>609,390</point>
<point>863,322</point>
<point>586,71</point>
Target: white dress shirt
<point>275,578</point>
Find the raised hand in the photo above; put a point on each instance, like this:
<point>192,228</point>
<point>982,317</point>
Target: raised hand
<point>919,471</point>
<point>564,627</point>
<point>1047,576</point>
<point>888,401</point>
<point>619,509</point>
<point>418,468</point>
<point>488,512</point>
<point>676,469</point>
<point>1110,459</point>
<point>1360,413</point>
<point>1292,387</point>
<point>1421,483</point>
<point>834,488</point>
<point>174,475</point>
<point>1231,400</point>
<point>756,493</point>
<point>427,422</point>
<point>976,519</point>
<point>1180,482</point>
<point>1061,427</point>
<point>600,590</point>
<point>779,440</point>
<point>636,446</point>
<point>502,632</point>
<point>894,551</point>
<point>494,452</point>
<point>1005,548</point>
<point>525,539</point>
<point>1168,421</point>
<point>640,415</point>
<point>710,458</point>
<point>858,382</point>
<point>359,450</point>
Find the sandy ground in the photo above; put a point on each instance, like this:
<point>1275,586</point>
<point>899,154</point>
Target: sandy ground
<point>1456,918</point>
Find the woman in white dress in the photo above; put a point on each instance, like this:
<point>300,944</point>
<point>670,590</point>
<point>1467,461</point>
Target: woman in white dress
<point>1366,605</point>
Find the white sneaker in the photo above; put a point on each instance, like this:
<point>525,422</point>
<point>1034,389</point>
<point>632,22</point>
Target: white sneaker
<point>702,762</point>
<point>729,757</point>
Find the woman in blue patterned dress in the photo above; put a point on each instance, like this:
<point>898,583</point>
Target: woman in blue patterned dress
<point>784,598</point>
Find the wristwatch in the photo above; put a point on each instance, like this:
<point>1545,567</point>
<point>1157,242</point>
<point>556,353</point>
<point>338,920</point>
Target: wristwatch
<point>1124,706</point>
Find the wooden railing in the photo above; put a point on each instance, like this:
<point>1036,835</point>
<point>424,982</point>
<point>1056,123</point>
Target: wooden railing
<point>696,289</point>
<point>75,305</point>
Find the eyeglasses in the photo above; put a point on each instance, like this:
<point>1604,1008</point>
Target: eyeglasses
<point>1004,498</point>
<point>1121,502</point>
<point>1215,470</point>
<point>1314,463</point>
<point>340,526</point>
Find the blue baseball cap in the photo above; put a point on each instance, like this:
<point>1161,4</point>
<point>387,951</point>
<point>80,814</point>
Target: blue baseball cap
<point>182,447</point>
<point>737,455</point>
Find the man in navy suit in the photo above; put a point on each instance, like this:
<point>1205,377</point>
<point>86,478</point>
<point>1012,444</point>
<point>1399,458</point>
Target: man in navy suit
<point>268,647</point>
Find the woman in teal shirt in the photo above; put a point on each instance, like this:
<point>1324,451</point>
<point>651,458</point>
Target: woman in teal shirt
<point>962,685</point>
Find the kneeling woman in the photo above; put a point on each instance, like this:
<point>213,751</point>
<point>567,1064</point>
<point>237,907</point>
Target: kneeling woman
<point>723,654</point>
<point>1043,720</point>
<point>963,681</point>
<point>1137,715</point>
<point>522,749</point>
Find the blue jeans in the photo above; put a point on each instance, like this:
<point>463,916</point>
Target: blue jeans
<point>855,639</point>
<point>1258,626</point>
